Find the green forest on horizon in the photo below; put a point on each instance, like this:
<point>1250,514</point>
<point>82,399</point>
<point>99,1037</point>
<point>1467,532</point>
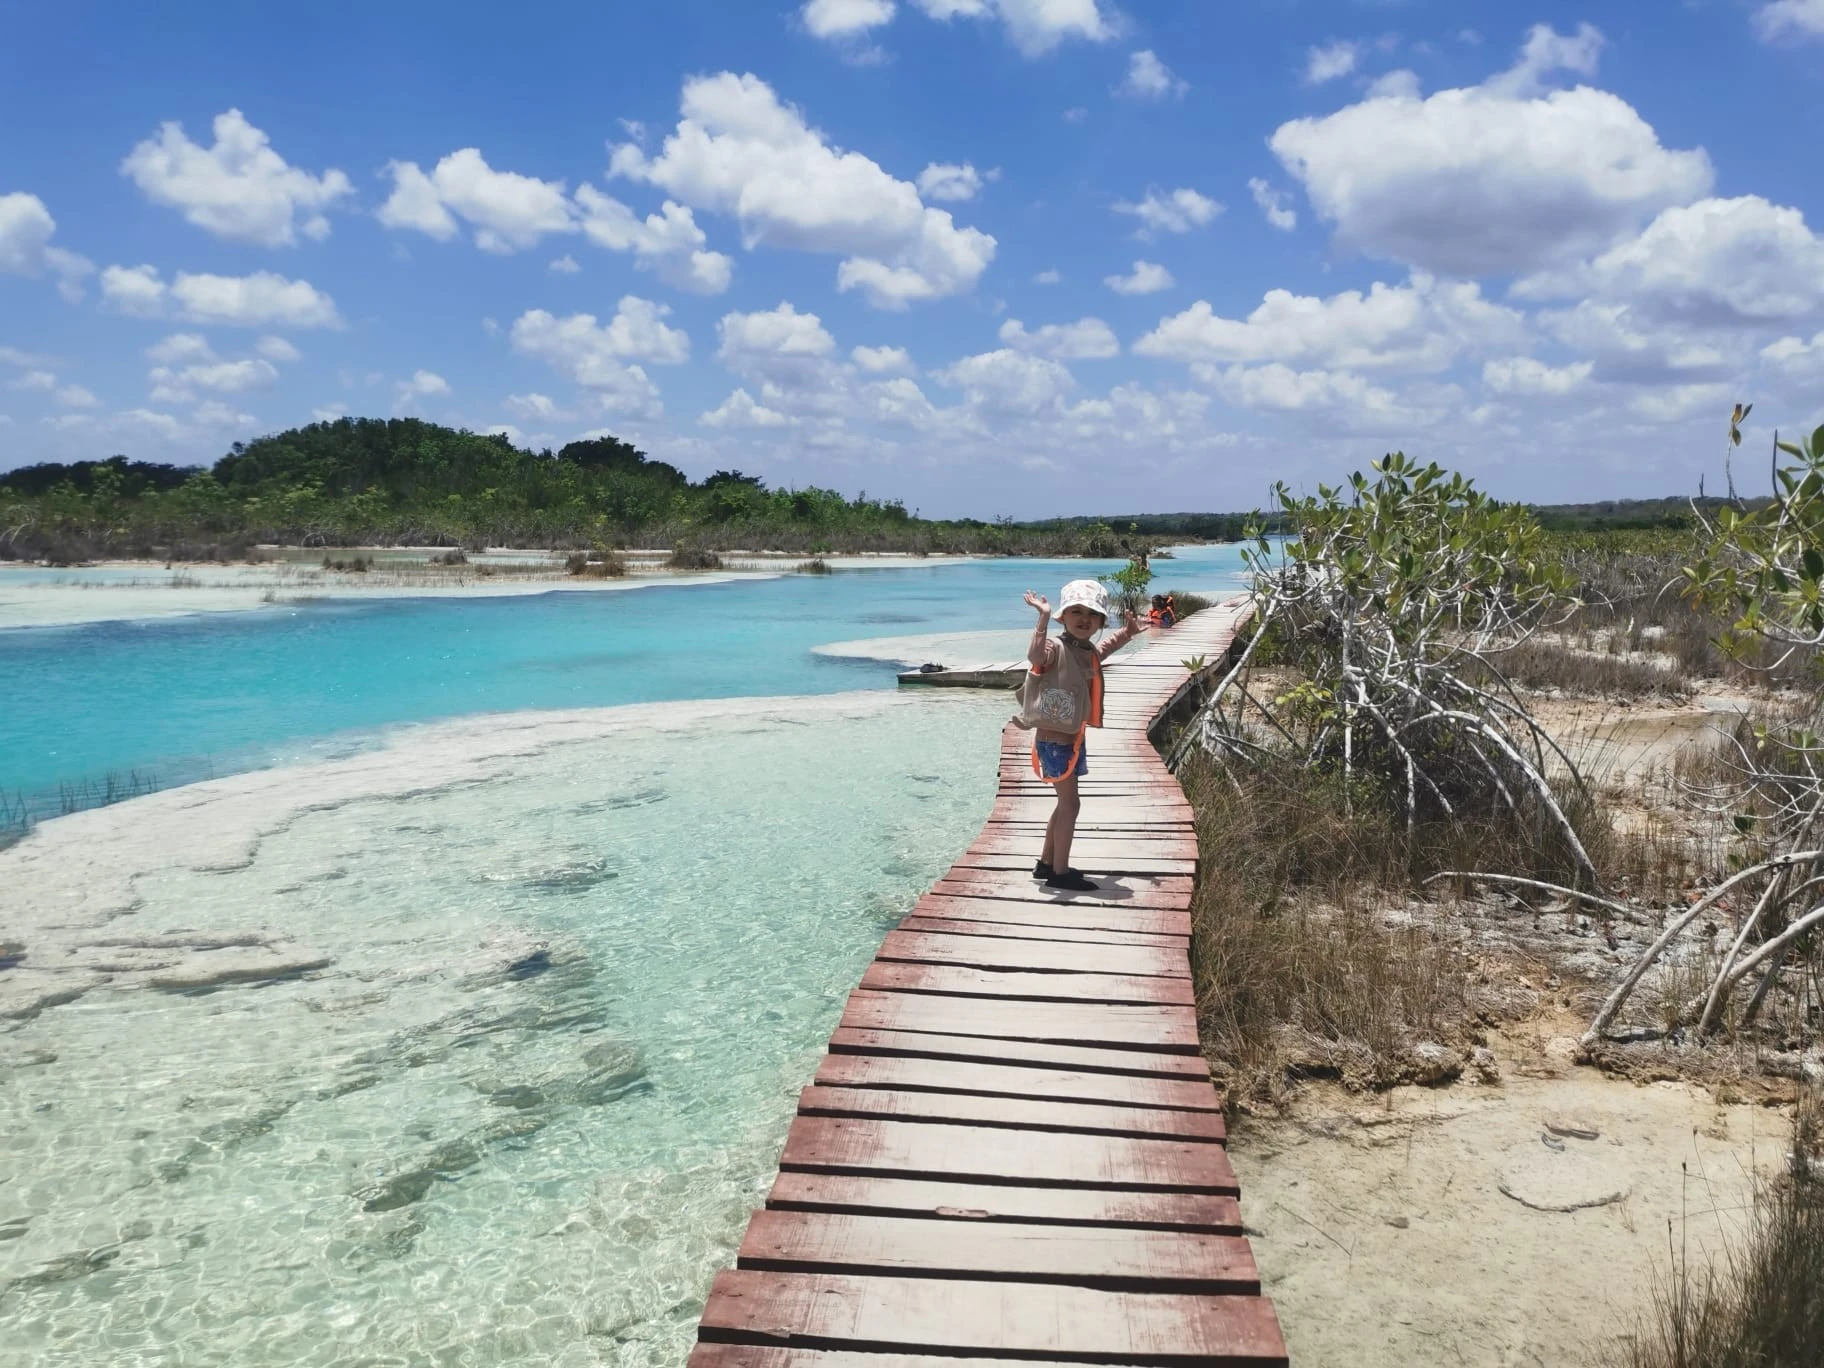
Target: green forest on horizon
<point>404,481</point>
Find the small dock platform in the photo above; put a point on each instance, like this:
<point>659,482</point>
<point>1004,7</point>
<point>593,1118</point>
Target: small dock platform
<point>1012,1150</point>
<point>999,674</point>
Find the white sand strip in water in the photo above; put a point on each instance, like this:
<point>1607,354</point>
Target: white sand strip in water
<point>949,649</point>
<point>115,591</point>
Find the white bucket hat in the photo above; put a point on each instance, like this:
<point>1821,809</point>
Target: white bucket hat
<point>1084,593</point>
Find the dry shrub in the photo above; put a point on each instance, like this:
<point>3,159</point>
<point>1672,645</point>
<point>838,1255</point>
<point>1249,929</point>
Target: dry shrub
<point>1540,665</point>
<point>1298,969</point>
<point>693,558</point>
<point>595,565</point>
<point>1188,602</point>
<point>1764,1307</point>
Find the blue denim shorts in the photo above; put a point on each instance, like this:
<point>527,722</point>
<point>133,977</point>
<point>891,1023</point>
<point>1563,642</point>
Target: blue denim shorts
<point>1054,759</point>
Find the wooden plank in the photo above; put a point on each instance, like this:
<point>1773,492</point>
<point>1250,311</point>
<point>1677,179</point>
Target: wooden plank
<point>1119,888</point>
<point>918,1149</point>
<point>848,1040</point>
<point>1056,935</point>
<point>1130,890</point>
<point>984,1202</point>
<point>1114,1260</point>
<point>1012,1080</point>
<point>998,952</point>
<point>1155,1030</point>
<point>1085,914</point>
<point>1091,860</point>
<point>946,980</point>
<point>1026,1320</point>
<point>1012,1113</point>
<point>774,1356</point>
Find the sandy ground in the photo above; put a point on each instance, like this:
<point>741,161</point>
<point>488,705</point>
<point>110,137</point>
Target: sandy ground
<point>32,596</point>
<point>1422,1227</point>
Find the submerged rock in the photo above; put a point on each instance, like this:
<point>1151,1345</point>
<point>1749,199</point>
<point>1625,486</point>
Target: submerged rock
<point>209,970</point>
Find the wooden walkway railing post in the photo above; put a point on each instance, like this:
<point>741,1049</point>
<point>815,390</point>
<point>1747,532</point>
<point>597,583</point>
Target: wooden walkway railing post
<point>1012,1150</point>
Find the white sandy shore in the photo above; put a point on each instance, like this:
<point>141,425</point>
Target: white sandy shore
<point>34,596</point>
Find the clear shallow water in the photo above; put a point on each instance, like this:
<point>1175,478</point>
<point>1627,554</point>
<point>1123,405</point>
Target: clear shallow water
<point>186,697</point>
<point>572,967</point>
<point>579,966</point>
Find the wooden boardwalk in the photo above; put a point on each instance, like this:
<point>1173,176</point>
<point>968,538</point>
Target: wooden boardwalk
<point>1012,1150</point>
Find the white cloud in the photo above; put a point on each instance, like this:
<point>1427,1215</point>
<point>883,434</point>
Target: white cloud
<point>1328,62</point>
<point>1009,382</point>
<point>1797,18</point>
<point>1047,278</point>
<point>1797,357</point>
<point>277,349</point>
<point>737,150</point>
<point>1278,387</point>
<point>1146,278</point>
<point>1491,179</point>
<point>1178,211</point>
<point>1086,339</point>
<point>842,19</point>
<point>1716,263</point>
<point>1630,350</point>
<point>596,357</point>
<point>1400,84</point>
<point>1546,51</point>
<point>45,382</point>
<point>26,227</point>
<point>258,300</point>
<point>239,189</point>
<point>1035,27</point>
<point>787,351</point>
<point>883,360</point>
<point>179,384</point>
<point>564,265</point>
<point>946,181</point>
<point>534,407</point>
<point>1076,114</point>
<point>1424,326</point>
<point>508,211</point>
<point>415,203</point>
<point>135,291</point>
<point>328,413</point>
<point>740,410</point>
<point>669,241</point>
<point>422,385</point>
<point>1148,78</point>
<point>1524,376</point>
<point>1272,203</point>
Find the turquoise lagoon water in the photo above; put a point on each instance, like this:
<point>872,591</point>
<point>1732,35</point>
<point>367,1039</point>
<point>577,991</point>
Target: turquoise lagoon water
<point>572,962</point>
<point>214,693</point>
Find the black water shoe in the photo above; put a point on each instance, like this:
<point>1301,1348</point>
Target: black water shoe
<point>1072,881</point>
<point>1041,870</point>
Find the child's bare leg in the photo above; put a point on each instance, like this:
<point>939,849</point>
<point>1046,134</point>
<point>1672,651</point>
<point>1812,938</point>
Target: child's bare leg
<point>1063,825</point>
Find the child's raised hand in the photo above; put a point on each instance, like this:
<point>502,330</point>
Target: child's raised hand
<point>1039,603</point>
<point>1130,620</point>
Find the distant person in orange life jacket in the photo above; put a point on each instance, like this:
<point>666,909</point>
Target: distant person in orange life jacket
<point>1061,697</point>
<point>1164,613</point>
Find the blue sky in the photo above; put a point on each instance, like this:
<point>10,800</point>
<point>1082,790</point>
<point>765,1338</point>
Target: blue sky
<point>989,256</point>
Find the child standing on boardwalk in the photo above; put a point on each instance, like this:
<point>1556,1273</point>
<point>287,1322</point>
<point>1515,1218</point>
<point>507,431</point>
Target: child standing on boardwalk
<point>1060,697</point>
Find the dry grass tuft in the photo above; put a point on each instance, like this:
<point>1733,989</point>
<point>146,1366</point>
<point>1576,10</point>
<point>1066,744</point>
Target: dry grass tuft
<point>1764,1308</point>
<point>1300,970</point>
